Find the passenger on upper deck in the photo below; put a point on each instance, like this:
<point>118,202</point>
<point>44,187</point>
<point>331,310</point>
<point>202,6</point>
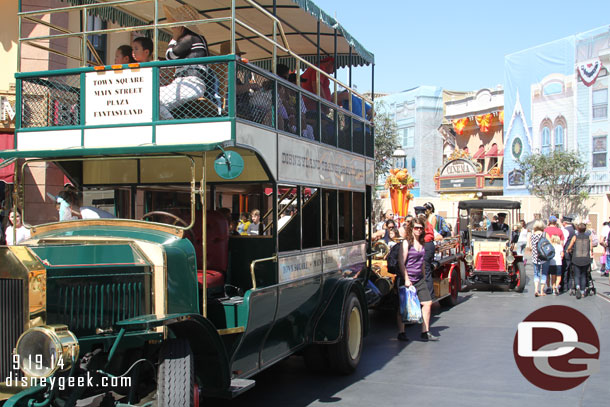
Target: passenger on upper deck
<point>343,101</point>
<point>189,80</point>
<point>142,49</point>
<point>124,55</point>
<point>308,81</point>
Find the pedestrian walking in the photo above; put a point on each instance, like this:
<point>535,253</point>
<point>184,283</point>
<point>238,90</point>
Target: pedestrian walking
<point>539,272</point>
<point>605,242</point>
<point>569,232</point>
<point>555,265</point>
<point>581,248</point>
<point>522,240</point>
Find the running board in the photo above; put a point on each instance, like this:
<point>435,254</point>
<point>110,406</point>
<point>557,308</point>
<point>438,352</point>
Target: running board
<point>238,386</point>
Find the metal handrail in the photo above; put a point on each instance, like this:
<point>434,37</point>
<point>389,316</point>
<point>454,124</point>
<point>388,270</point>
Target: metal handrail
<point>285,47</point>
<point>254,263</point>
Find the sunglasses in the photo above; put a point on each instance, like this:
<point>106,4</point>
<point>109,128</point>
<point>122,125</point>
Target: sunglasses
<point>391,227</point>
<point>418,227</point>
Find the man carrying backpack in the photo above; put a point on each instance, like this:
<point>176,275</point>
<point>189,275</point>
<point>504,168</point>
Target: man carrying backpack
<point>539,257</point>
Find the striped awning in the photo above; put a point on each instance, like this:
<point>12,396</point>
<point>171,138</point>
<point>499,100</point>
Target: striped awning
<point>7,172</point>
<point>479,154</point>
<point>299,19</point>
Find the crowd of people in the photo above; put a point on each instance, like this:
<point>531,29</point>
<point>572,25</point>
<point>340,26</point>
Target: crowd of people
<point>573,243</point>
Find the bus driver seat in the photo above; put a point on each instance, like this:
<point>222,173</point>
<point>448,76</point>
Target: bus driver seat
<point>217,251</point>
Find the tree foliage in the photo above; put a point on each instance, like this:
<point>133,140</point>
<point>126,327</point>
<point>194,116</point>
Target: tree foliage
<point>559,179</point>
<point>386,139</point>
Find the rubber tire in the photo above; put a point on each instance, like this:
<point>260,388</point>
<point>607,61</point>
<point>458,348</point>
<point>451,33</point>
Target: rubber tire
<point>342,360</point>
<point>176,376</point>
<point>456,283</point>
<point>520,284</point>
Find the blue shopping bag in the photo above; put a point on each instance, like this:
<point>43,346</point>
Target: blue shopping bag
<point>409,306</point>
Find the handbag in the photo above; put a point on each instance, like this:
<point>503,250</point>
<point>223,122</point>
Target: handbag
<point>410,308</point>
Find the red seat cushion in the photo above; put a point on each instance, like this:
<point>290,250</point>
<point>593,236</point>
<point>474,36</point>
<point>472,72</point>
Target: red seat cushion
<point>213,278</point>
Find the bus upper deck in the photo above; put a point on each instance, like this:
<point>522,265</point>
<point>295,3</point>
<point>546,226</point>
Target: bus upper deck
<point>92,107</point>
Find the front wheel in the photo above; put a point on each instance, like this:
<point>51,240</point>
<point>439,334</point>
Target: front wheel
<point>519,278</point>
<point>345,354</point>
<point>176,386</point>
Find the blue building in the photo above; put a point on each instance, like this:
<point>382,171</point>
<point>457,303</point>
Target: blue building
<point>556,97</point>
<point>418,113</point>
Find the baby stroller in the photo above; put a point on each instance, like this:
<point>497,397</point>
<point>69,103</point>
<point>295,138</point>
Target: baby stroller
<point>590,285</point>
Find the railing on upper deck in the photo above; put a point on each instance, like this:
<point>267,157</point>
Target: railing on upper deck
<point>57,100</point>
<point>54,99</point>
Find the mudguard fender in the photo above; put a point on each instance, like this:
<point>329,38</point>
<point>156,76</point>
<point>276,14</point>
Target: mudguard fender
<point>211,360</point>
<point>329,326</point>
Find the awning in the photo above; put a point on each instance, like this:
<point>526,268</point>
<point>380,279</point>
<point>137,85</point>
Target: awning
<point>479,154</point>
<point>493,151</point>
<point>299,18</point>
<point>7,173</point>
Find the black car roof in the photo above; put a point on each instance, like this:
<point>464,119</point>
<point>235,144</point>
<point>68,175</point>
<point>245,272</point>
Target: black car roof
<point>489,204</point>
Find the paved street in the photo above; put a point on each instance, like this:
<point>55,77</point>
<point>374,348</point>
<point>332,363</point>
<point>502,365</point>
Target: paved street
<point>472,365</point>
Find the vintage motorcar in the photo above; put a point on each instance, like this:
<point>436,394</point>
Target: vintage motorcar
<point>448,272</point>
<point>486,244</point>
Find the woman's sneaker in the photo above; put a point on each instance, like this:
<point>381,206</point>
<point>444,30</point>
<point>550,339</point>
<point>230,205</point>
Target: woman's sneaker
<point>578,294</point>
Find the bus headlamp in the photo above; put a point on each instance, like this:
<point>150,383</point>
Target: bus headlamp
<point>510,258</point>
<point>43,350</point>
<point>468,258</point>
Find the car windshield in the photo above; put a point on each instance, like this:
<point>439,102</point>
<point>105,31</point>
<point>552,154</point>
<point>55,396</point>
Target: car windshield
<point>489,224</point>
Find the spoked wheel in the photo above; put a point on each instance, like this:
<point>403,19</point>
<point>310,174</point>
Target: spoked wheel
<point>176,385</point>
<point>345,354</point>
<point>456,285</point>
<point>520,279</point>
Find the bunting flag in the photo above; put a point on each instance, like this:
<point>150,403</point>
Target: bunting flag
<point>484,121</point>
<point>589,70</point>
<point>459,124</point>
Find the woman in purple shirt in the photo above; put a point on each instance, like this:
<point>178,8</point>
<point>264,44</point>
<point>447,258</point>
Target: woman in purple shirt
<point>411,267</point>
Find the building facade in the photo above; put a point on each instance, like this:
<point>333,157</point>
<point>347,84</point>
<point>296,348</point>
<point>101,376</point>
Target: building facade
<point>473,150</point>
<point>418,113</point>
<point>557,98</point>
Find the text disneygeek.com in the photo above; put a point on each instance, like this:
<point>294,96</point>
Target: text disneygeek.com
<point>62,382</point>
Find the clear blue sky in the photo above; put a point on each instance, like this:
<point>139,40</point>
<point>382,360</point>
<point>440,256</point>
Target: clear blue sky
<point>452,44</point>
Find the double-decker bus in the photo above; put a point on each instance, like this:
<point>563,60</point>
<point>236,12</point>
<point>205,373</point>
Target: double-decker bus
<point>155,280</point>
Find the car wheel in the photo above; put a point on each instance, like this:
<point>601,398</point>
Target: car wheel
<point>345,354</point>
<point>519,279</point>
<point>456,285</point>
<point>176,386</point>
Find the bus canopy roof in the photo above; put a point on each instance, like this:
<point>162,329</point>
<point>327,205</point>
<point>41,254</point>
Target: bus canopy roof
<point>299,19</point>
<point>489,204</point>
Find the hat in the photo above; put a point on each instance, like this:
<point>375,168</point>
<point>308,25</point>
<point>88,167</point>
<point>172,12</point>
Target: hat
<point>419,209</point>
<point>552,218</point>
<point>501,214</point>
<point>225,48</point>
<point>567,219</point>
<point>183,13</point>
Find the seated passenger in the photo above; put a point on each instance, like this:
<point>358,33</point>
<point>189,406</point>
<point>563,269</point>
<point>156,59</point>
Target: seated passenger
<point>244,223</point>
<point>142,49</point>
<point>124,55</point>
<point>189,80</point>
<point>499,225</point>
<point>343,101</point>
<point>327,65</point>
<point>256,228</point>
<point>16,227</point>
<point>307,129</point>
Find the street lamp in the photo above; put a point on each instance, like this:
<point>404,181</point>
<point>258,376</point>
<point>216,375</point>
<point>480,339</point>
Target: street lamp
<point>399,157</point>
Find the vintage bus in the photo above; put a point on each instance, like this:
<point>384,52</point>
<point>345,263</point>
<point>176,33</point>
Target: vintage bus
<point>159,286</point>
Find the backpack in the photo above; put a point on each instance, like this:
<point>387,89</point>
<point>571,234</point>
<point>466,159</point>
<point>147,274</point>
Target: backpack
<point>546,251</point>
<point>441,226</point>
<point>393,259</point>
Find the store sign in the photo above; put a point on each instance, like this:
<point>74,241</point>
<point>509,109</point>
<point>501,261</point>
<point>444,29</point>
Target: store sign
<point>458,168</point>
<point>454,183</point>
<point>118,97</point>
<point>6,110</point>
